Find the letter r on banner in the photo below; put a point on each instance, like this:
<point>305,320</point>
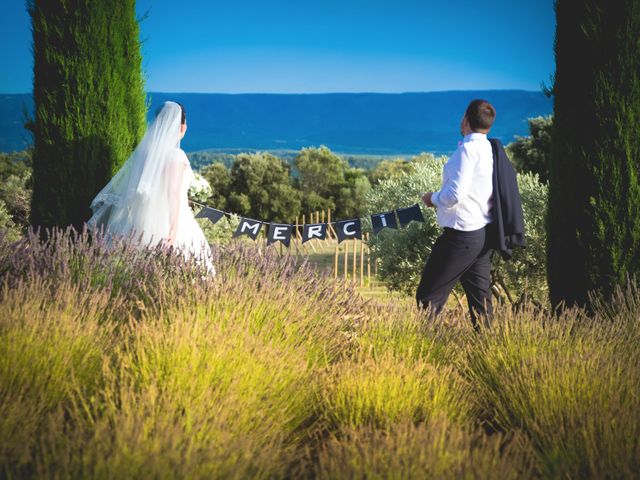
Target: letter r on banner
<point>315,230</point>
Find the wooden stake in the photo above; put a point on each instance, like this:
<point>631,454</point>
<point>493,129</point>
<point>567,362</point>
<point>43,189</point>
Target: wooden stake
<point>369,265</point>
<point>361,263</point>
<point>326,238</point>
<point>335,262</point>
<point>375,269</point>
<point>355,258</point>
<point>346,259</point>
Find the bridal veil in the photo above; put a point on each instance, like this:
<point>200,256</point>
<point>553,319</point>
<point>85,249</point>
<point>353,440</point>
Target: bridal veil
<point>136,202</point>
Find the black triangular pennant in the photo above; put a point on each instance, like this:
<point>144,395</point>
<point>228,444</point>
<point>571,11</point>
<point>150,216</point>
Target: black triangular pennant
<point>248,227</point>
<point>279,233</point>
<point>406,215</point>
<point>314,230</point>
<point>212,214</point>
<point>383,220</point>
<point>348,229</point>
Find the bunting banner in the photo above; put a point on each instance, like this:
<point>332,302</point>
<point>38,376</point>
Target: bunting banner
<point>345,229</point>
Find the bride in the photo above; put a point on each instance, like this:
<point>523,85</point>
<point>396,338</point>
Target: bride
<point>147,198</point>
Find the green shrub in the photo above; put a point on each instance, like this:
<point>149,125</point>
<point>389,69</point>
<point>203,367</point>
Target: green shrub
<point>16,194</point>
<point>530,154</point>
<point>403,253</point>
<point>8,228</point>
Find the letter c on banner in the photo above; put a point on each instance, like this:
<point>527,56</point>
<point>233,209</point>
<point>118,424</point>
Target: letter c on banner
<point>347,232</point>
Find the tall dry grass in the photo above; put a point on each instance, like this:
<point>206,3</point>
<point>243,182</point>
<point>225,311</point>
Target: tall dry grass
<point>123,363</point>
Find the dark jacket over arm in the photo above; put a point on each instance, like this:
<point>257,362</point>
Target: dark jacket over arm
<point>507,230</point>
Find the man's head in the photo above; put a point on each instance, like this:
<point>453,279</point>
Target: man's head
<point>479,117</point>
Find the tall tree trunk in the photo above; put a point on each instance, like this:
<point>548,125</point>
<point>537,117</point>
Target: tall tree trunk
<point>594,189</point>
<point>90,108</point>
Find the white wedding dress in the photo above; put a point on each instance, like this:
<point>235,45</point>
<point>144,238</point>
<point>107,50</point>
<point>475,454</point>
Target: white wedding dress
<point>190,238</point>
<point>140,202</point>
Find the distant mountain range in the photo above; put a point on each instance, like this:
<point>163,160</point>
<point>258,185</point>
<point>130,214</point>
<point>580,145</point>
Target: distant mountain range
<point>356,123</point>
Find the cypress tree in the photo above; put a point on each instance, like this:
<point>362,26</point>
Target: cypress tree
<point>89,102</point>
<point>594,188</point>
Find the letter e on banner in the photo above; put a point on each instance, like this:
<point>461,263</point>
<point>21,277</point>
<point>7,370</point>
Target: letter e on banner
<point>279,233</point>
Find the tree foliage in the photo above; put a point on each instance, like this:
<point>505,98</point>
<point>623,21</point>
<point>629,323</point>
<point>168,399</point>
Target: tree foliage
<point>261,188</point>
<point>15,192</point>
<point>89,102</point>
<point>530,154</point>
<point>326,181</point>
<point>594,197</point>
<point>219,178</point>
<point>389,169</point>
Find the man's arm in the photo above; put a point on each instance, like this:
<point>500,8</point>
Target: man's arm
<point>459,183</point>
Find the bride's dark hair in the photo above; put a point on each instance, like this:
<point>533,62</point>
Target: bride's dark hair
<point>183,112</point>
<point>183,118</point>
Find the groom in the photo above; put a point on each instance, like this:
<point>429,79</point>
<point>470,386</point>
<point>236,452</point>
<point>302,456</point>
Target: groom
<point>463,207</point>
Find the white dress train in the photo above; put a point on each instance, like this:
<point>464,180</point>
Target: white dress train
<point>190,238</point>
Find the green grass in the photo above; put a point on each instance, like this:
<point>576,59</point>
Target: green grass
<point>140,368</point>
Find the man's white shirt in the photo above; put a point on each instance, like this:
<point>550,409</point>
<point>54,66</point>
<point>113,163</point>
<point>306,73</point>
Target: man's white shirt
<point>465,199</point>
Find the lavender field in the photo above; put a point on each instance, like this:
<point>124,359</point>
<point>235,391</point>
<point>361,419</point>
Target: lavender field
<point>127,364</point>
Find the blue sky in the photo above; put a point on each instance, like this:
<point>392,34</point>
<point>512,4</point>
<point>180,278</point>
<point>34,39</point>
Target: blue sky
<point>286,46</point>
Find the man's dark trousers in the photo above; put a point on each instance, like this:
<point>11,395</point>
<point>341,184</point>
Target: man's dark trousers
<point>464,256</point>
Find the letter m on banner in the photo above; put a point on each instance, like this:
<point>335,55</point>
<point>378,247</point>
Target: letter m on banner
<point>248,227</point>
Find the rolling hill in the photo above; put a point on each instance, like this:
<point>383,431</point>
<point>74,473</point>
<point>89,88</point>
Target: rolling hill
<point>365,123</point>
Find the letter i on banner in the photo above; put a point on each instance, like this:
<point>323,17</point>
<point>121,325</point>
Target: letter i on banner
<point>383,220</point>
<point>248,227</point>
<point>279,233</point>
<point>315,230</point>
<point>348,229</point>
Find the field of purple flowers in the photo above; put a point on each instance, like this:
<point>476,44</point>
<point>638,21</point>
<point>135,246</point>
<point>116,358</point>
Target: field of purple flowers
<point>123,363</point>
